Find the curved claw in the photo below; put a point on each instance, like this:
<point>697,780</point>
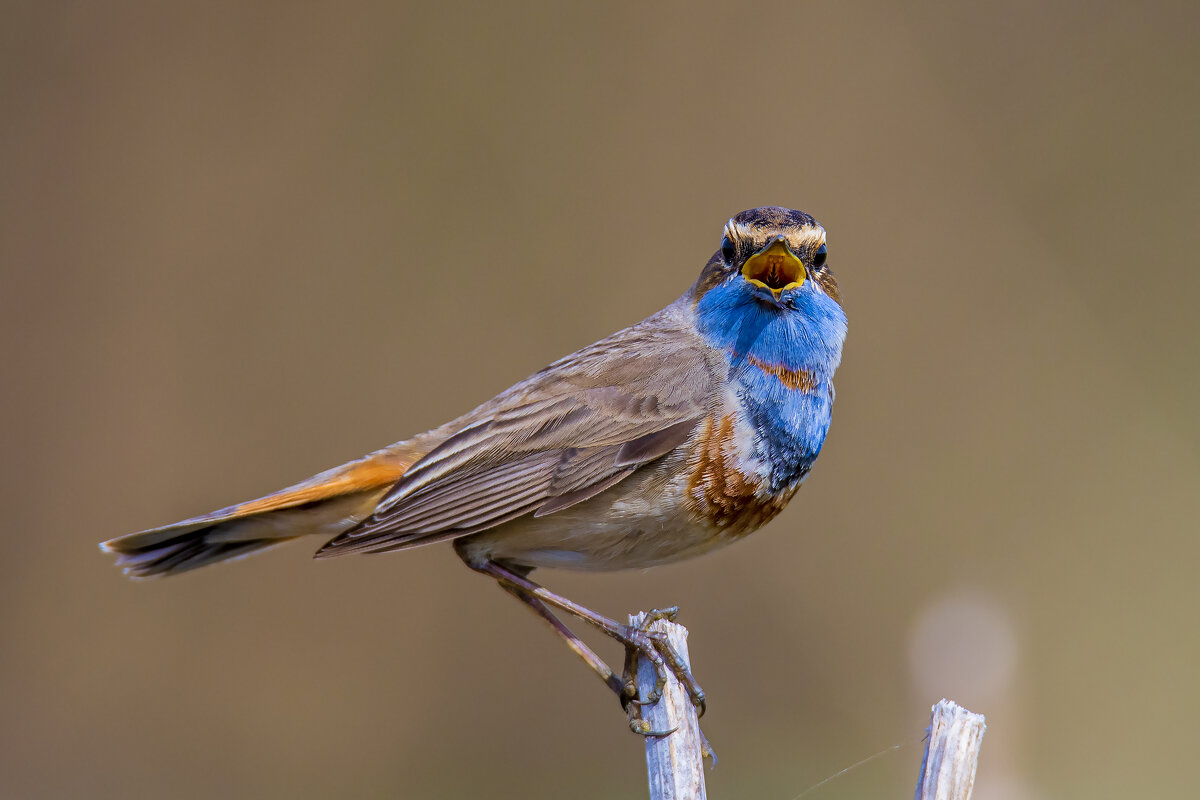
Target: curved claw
<point>642,728</point>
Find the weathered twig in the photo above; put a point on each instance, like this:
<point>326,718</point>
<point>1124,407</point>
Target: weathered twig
<point>951,753</point>
<point>675,759</point>
<point>675,762</point>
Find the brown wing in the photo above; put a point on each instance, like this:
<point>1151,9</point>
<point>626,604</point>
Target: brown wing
<point>568,433</point>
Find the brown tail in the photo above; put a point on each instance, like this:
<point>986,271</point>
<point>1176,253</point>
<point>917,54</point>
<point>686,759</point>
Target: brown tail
<point>325,504</point>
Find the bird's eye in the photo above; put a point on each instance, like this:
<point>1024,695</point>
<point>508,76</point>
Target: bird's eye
<point>728,251</point>
<point>819,257</point>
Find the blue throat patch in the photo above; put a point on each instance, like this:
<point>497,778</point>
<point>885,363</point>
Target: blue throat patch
<point>762,340</point>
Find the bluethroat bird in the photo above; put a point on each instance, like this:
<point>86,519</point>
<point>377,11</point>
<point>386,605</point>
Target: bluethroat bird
<point>678,435</point>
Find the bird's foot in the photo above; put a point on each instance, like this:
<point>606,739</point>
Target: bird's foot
<point>640,642</point>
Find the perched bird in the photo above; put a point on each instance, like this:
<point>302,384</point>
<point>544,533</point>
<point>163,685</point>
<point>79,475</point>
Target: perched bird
<point>680,434</point>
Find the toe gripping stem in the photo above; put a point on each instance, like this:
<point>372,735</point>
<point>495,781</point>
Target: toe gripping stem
<point>645,640</point>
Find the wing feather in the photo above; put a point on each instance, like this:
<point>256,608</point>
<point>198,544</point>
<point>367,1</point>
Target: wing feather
<point>468,504</point>
<point>563,436</point>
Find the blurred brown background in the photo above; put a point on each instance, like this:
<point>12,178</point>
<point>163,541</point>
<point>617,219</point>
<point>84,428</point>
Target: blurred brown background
<point>241,244</point>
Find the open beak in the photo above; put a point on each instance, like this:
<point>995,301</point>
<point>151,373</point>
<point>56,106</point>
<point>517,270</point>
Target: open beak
<point>775,267</point>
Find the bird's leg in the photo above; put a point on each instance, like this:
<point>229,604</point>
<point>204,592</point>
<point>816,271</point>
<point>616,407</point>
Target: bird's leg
<point>628,697</point>
<point>574,642</point>
<point>640,641</point>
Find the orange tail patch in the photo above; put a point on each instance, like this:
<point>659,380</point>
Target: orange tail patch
<point>323,504</point>
<point>375,471</point>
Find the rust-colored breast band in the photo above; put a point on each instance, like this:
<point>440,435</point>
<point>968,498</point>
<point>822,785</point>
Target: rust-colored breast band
<point>800,379</point>
<point>718,490</point>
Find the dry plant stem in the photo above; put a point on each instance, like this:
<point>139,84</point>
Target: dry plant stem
<point>674,761</point>
<point>951,753</point>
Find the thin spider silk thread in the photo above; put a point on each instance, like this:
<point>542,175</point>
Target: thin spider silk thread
<point>854,766</point>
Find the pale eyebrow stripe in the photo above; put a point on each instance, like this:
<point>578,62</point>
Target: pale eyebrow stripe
<point>813,235</point>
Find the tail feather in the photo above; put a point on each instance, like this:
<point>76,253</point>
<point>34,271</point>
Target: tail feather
<point>326,504</point>
<point>187,552</point>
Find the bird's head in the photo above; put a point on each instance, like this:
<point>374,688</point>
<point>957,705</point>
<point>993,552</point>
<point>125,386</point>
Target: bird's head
<point>770,273</point>
<point>770,253</point>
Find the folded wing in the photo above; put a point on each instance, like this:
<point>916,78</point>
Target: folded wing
<point>568,433</point>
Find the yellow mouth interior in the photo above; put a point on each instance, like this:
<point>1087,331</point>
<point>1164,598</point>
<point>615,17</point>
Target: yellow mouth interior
<point>775,267</point>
